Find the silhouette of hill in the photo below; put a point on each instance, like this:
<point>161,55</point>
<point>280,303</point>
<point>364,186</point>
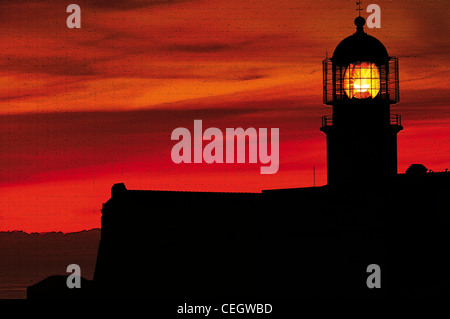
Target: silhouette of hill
<point>26,258</point>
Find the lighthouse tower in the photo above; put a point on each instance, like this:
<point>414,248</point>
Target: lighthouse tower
<point>360,82</point>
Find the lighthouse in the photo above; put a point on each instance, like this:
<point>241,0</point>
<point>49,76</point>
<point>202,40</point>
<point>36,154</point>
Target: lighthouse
<point>360,83</point>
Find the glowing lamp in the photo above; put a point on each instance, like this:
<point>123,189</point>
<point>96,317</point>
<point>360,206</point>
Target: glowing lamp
<point>360,72</point>
<point>362,80</point>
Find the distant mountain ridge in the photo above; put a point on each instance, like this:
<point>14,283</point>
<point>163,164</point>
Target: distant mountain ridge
<point>47,233</point>
<point>27,258</point>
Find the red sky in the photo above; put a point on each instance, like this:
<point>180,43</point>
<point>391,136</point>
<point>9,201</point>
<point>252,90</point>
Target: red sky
<point>82,109</point>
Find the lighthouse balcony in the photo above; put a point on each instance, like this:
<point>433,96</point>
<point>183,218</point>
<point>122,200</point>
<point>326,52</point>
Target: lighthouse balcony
<point>395,120</point>
<point>327,120</point>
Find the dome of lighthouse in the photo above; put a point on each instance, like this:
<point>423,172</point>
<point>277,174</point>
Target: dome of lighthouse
<point>360,47</point>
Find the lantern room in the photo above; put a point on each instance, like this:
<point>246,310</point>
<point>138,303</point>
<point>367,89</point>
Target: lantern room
<point>360,69</point>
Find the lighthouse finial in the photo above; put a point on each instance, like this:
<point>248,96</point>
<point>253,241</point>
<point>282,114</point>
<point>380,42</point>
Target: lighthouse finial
<point>359,21</point>
<point>358,3</point>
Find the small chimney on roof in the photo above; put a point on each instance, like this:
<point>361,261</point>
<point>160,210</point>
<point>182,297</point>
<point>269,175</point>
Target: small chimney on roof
<point>118,189</point>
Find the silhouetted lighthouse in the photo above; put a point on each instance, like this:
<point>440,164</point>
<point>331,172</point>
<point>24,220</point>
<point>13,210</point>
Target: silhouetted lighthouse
<point>360,82</point>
